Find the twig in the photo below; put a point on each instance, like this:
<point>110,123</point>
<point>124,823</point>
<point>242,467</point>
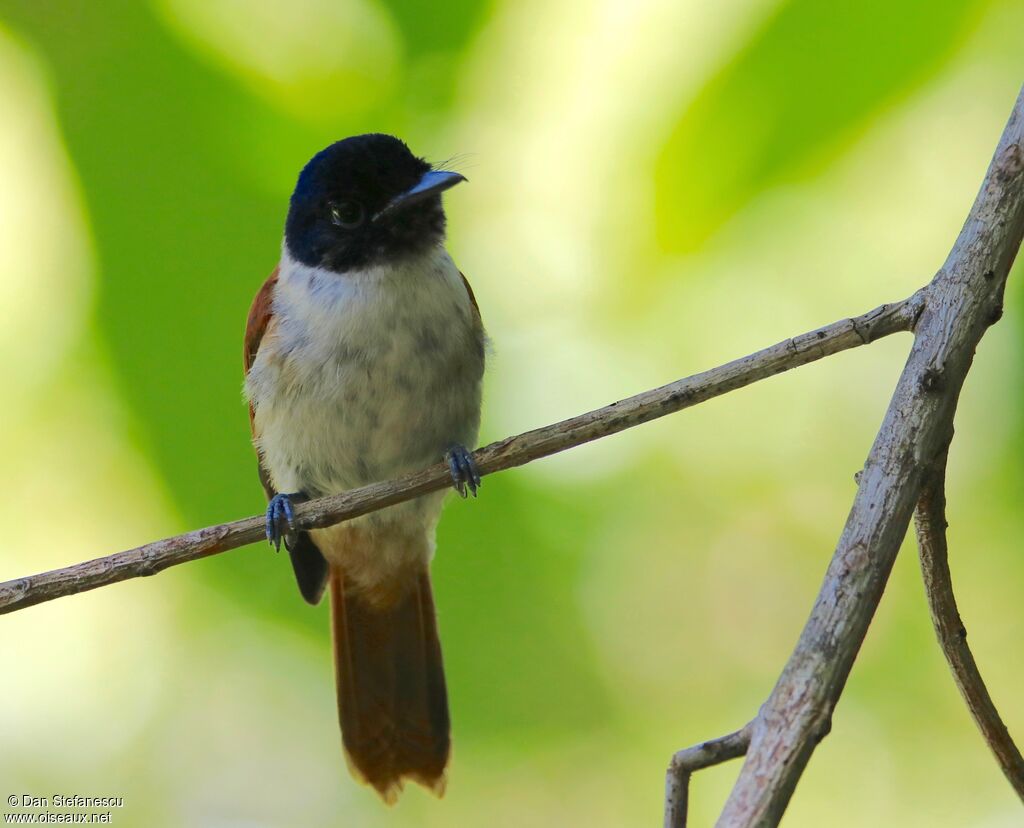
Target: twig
<point>688,760</point>
<point>961,302</point>
<point>513,451</point>
<point>930,520</point>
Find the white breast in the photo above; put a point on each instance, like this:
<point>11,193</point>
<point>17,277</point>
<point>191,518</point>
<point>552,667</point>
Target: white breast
<point>366,375</point>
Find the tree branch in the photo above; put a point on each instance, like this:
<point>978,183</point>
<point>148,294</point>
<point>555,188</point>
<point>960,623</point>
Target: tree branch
<point>930,520</point>
<point>688,760</point>
<point>963,299</point>
<point>513,451</point>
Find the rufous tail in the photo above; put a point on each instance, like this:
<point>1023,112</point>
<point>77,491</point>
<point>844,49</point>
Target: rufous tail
<point>392,700</point>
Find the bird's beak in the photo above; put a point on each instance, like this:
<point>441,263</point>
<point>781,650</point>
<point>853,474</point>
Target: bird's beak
<point>432,183</point>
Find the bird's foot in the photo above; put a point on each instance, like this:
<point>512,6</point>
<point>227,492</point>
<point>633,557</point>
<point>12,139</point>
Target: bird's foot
<point>465,475</point>
<point>281,517</point>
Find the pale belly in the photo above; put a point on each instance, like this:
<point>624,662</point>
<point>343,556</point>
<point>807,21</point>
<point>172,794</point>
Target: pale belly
<point>368,420</point>
<point>377,379</point>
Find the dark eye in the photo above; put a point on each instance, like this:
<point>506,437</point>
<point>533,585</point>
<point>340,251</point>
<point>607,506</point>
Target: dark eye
<point>347,214</point>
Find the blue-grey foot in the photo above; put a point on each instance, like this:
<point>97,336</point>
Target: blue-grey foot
<point>281,517</point>
<point>463,468</point>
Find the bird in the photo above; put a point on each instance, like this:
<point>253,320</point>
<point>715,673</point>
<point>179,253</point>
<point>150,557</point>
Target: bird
<point>364,360</point>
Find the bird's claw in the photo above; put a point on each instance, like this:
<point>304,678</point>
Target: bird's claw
<point>280,514</point>
<point>463,469</point>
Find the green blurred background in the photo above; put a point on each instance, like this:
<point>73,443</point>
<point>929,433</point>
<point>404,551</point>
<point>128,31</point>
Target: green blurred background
<point>656,187</point>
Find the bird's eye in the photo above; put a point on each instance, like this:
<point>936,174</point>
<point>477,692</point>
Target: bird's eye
<point>347,214</point>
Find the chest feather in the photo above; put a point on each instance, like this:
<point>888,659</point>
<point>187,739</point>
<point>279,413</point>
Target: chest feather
<point>365,375</point>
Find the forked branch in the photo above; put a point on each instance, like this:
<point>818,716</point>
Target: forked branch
<point>963,299</point>
<point>688,760</point>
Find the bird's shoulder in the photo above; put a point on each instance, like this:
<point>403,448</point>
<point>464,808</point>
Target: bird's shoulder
<point>261,313</point>
<point>472,296</point>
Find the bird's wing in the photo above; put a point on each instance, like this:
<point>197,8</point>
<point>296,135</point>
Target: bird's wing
<point>260,314</point>
<point>472,297</point>
<point>309,565</point>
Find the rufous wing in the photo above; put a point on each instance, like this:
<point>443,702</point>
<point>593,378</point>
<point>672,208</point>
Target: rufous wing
<point>307,562</point>
<point>472,297</point>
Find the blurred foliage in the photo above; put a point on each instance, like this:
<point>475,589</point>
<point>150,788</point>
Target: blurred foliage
<point>799,90</point>
<point>798,161</point>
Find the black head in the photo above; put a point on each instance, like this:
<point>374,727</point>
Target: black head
<point>363,201</point>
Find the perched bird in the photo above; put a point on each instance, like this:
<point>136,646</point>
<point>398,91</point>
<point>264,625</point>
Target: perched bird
<point>364,354</point>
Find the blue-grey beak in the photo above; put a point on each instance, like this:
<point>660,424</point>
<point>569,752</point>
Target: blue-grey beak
<point>432,183</point>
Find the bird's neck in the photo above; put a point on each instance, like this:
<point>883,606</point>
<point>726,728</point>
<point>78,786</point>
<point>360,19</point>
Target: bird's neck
<point>393,273</point>
<point>367,303</point>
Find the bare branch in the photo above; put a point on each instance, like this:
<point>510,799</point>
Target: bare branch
<point>505,454</point>
<point>930,520</point>
<point>961,302</point>
<point>685,762</point>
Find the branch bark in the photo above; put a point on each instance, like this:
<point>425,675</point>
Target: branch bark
<point>963,299</point>
<point>688,760</point>
<point>513,451</point>
<point>930,521</point>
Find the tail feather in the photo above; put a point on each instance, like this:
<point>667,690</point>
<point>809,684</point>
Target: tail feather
<point>392,700</point>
